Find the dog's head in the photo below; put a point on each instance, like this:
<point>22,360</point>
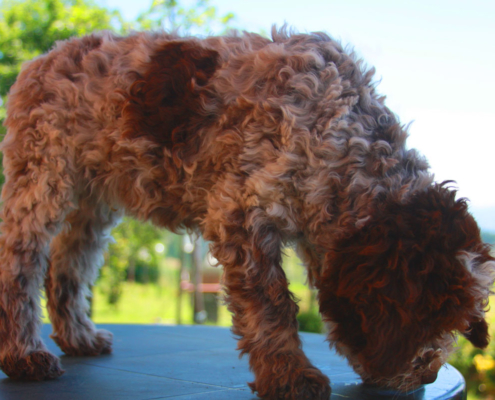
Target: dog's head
<point>395,291</point>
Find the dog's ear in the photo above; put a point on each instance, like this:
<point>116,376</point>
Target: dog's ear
<point>477,334</point>
<point>166,104</point>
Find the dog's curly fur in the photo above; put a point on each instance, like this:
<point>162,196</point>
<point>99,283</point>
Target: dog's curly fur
<point>255,143</point>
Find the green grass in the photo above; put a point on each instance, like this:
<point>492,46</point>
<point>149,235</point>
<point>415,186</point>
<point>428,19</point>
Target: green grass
<point>144,304</point>
<point>153,303</point>
<point>139,304</point>
<point>147,304</point>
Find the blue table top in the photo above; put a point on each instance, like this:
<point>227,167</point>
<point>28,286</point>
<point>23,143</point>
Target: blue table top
<point>195,362</point>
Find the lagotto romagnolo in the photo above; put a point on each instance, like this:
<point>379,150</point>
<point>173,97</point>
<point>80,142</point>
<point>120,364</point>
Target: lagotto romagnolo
<point>255,143</point>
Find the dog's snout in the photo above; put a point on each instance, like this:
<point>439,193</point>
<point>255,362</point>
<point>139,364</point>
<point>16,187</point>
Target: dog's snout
<point>429,377</point>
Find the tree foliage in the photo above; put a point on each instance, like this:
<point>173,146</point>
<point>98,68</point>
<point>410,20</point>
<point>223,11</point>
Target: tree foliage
<point>202,18</point>
<point>488,237</point>
<point>133,256</point>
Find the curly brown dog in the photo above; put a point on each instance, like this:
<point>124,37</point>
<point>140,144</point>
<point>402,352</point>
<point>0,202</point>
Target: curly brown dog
<point>254,143</point>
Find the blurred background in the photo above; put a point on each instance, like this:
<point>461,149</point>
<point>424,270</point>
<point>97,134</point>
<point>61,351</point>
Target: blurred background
<point>434,60</point>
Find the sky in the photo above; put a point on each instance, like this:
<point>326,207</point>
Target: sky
<point>434,59</point>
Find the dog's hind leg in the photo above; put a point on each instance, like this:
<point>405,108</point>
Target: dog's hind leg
<point>37,195</point>
<point>76,256</point>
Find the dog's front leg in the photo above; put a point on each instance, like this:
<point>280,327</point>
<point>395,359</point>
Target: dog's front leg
<point>264,311</point>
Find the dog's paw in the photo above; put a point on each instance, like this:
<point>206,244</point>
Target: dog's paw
<point>308,384</point>
<point>104,341</point>
<point>37,366</point>
<point>90,344</point>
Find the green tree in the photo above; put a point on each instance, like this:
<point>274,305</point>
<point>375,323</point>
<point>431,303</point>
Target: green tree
<point>201,18</point>
<point>133,257</point>
<point>488,237</point>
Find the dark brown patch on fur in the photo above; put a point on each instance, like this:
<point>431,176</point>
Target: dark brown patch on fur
<point>165,105</point>
<point>5,323</point>
<point>67,289</point>
<point>21,281</point>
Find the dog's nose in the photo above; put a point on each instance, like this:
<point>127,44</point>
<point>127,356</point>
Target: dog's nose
<point>429,377</point>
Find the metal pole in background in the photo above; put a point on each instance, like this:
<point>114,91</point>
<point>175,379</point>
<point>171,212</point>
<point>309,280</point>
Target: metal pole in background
<point>182,267</point>
<point>199,303</point>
